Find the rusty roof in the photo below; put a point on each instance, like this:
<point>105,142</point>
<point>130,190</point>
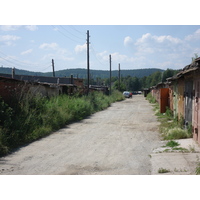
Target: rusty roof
<point>188,68</point>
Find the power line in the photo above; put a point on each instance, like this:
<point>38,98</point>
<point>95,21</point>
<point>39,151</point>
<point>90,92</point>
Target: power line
<point>72,27</point>
<point>18,61</point>
<point>71,33</point>
<point>13,62</point>
<point>57,29</point>
<point>94,53</point>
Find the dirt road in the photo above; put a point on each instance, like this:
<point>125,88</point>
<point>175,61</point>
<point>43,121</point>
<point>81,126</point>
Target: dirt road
<point>118,140</point>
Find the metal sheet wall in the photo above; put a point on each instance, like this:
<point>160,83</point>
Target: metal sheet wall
<point>196,110</point>
<point>164,99</point>
<point>180,98</point>
<point>188,101</point>
<point>175,99</point>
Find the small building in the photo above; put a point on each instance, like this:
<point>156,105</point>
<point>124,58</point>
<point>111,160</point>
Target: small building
<point>12,89</point>
<point>186,96</point>
<point>12,84</point>
<point>101,88</point>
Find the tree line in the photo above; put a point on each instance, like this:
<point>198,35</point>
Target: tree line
<point>130,83</point>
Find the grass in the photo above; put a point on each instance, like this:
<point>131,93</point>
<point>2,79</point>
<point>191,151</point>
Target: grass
<point>172,144</point>
<point>32,118</point>
<point>197,170</point>
<point>170,127</point>
<point>163,170</point>
<point>150,98</point>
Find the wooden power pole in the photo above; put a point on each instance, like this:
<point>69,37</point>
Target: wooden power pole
<point>119,78</point>
<point>53,68</point>
<point>88,63</point>
<point>110,73</point>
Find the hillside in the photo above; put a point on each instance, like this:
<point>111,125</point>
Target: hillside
<point>82,73</point>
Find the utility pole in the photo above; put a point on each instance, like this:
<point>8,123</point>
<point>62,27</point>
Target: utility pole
<point>88,63</point>
<point>53,68</point>
<point>110,73</point>
<point>119,78</point>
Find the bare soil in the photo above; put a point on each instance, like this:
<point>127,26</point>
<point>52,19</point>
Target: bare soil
<point>118,140</point>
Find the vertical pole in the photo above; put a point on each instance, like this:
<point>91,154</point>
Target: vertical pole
<point>71,79</point>
<point>53,68</point>
<point>13,72</point>
<point>119,78</point>
<point>110,73</point>
<point>88,63</point>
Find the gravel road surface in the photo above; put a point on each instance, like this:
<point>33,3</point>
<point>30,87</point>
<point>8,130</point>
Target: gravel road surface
<point>118,140</point>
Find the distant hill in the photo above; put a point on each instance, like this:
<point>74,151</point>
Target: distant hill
<point>82,73</point>
<point>7,70</point>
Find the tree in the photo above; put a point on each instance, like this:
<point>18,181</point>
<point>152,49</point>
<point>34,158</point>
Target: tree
<point>168,73</point>
<point>195,57</point>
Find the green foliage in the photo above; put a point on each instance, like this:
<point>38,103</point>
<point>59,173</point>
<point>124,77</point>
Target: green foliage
<point>197,170</point>
<point>35,117</point>
<point>172,143</point>
<point>150,98</point>
<point>170,127</point>
<point>168,73</point>
<point>176,133</point>
<point>163,170</point>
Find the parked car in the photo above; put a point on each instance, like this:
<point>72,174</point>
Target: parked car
<point>127,94</point>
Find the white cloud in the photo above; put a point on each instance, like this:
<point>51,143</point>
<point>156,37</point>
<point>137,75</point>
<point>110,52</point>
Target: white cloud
<point>31,27</point>
<point>9,27</point>
<point>103,55</point>
<point>8,39</point>
<point>167,38</point>
<point>80,48</point>
<point>17,27</point>
<point>55,52</point>
<point>164,44</point>
<point>117,57</point>
<point>194,36</point>
<point>48,46</point>
<point>128,41</point>
<point>148,38</point>
<point>27,52</point>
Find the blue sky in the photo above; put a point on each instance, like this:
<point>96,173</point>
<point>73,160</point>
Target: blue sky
<point>32,47</point>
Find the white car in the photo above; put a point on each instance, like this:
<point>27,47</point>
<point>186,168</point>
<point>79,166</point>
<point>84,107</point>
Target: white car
<point>126,94</point>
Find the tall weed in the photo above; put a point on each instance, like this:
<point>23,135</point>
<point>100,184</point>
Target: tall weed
<point>170,127</point>
<point>32,118</point>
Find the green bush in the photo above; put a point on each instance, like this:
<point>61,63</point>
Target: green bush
<point>150,98</point>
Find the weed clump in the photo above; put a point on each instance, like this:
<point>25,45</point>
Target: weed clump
<point>176,133</point>
<point>150,98</point>
<point>163,170</point>
<point>170,126</point>
<point>172,143</point>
